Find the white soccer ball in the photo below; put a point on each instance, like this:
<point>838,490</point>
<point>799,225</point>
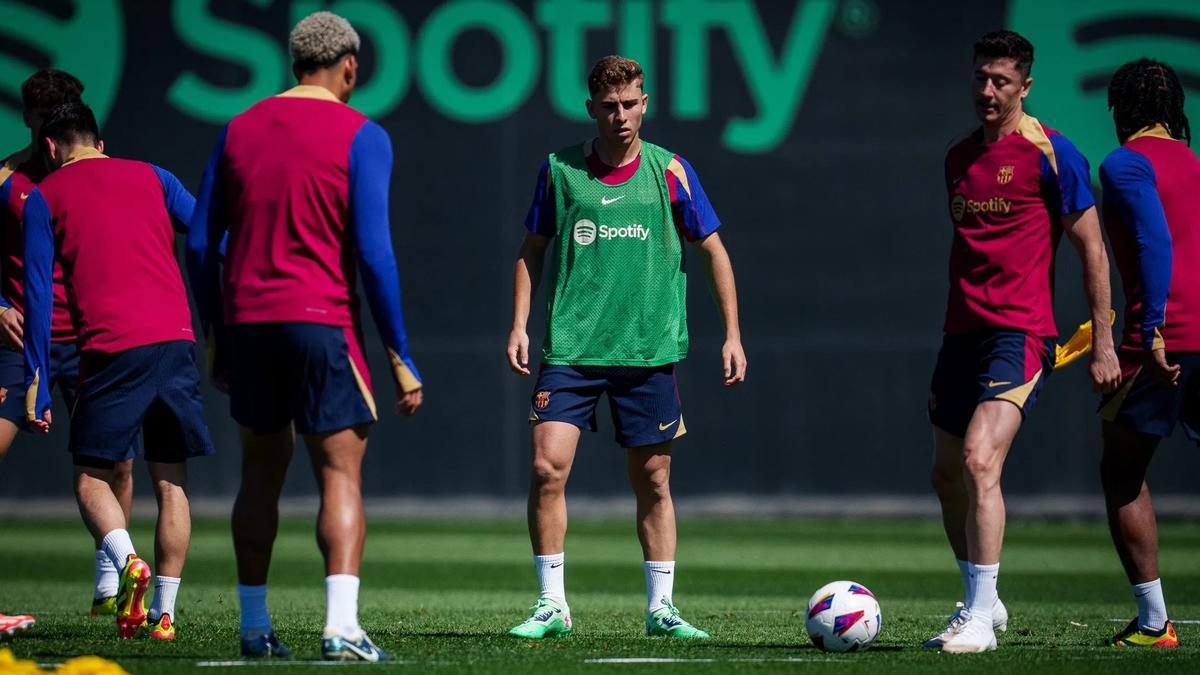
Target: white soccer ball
<point>843,616</point>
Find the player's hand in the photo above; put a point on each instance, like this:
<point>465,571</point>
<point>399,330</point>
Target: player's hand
<point>12,329</point>
<point>3,394</point>
<point>1105,369</point>
<point>42,425</point>
<point>518,351</point>
<point>408,403</point>
<point>734,359</point>
<point>1161,371</point>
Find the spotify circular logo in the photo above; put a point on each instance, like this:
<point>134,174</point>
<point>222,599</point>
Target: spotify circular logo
<point>585,232</point>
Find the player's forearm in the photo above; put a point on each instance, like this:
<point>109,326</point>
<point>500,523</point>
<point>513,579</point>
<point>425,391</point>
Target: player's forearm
<point>723,287</point>
<point>1098,292</point>
<point>527,274</point>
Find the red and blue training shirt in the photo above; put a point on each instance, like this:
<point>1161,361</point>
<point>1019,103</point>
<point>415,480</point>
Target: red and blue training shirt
<point>1152,215</point>
<point>1007,200</point>
<point>19,174</point>
<point>112,223</point>
<point>300,183</point>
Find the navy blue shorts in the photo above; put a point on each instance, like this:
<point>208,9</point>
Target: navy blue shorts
<point>1151,408</point>
<point>64,372</point>
<point>1002,365</point>
<point>153,389</point>
<point>644,401</point>
<point>307,374</point>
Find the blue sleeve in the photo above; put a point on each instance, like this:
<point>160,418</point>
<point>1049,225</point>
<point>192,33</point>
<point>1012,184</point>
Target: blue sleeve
<point>5,193</point>
<point>39,302</point>
<point>370,174</point>
<point>1131,186</point>
<point>693,212</point>
<point>541,218</point>
<point>180,203</point>
<point>1070,187</point>
<point>206,240</point>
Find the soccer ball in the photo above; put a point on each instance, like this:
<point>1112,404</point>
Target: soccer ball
<point>843,616</point>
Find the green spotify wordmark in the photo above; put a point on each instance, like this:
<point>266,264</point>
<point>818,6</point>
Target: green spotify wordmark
<point>550,45</point>
<point>89,43</point>
<point>1079,45</point>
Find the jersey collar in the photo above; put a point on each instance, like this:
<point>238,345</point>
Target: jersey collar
<point>1157,131</point>
<point>84,153</point>
<point>310,91</point>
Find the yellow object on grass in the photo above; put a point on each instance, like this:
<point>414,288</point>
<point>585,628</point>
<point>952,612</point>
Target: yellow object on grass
<point>1079,344</point>
<point>80,665</point>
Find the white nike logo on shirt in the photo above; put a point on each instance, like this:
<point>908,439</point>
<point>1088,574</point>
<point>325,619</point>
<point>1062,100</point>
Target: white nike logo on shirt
<point>604,201</point>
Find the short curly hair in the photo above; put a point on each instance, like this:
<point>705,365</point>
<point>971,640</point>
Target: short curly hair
<point>49,88</point>
<point>1006,44</point>
<point>319,40</point>
<point>614,72</point>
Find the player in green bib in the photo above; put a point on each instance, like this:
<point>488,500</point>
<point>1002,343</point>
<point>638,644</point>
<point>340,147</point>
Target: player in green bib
<point>617,212</point>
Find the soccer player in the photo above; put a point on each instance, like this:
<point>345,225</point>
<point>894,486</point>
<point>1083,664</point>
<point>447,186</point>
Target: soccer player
<point>617,211</point>
<point>1014,186</point>
<point>1152,214</point>
<point>300,183</point>
<point>42,91</point>
<point>109,221</point>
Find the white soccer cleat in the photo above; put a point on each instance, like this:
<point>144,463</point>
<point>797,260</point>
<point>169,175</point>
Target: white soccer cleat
<point>999,623</point>
<point>972,637</point>
<point>999,616</point>
<point>956,622</point>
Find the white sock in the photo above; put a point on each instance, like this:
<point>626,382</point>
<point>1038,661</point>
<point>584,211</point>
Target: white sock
<point>964,570</point>
<point>118,547</point>
<point>165,590</point>
<point>983,591</point>
<point>660,583</point>
<point>107,578</point>
<point>550,576</point>
<point>341,604</point>
<point>1152,609</point>
<point>256,620</point>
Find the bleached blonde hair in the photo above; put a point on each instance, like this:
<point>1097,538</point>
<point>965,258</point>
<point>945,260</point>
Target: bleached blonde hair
<point>320,39</point>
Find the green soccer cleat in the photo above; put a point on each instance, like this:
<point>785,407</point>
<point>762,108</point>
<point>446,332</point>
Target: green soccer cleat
<point>548,618</point>
<point>665,621</point>
<point>104,606</point>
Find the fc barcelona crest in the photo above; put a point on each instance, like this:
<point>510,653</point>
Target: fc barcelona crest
<point>541,400</point>
<point>1006,174</point>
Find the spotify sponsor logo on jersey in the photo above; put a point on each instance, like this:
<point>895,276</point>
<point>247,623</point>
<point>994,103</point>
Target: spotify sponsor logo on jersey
<point>586,232</point>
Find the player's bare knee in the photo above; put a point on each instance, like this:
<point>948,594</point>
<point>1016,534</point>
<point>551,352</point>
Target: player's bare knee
<point>654,484</point>
<point>547,475</point>
<point>981,464</point>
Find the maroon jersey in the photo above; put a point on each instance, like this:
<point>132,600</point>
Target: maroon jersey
<point>1006,202</point>
<point>18,176</point>
<point>1152,215</point>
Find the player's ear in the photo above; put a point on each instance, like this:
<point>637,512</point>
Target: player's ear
<point>1025,86</point>
<point>590,108</point>
<point>100,146</point>
<point>645,102</point>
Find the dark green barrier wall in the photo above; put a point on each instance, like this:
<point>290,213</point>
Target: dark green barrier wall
<point>817,127</point>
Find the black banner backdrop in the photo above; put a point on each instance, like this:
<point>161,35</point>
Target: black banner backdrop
<point>820,146</point>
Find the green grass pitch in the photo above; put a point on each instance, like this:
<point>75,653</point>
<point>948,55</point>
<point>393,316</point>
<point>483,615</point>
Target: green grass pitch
<point>440,594</point>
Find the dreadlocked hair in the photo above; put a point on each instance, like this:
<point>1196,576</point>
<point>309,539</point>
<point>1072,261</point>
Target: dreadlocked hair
<point>1144,93</point>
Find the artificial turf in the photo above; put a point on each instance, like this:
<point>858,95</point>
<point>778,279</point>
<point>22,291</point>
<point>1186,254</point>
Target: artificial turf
<point>439,595</point>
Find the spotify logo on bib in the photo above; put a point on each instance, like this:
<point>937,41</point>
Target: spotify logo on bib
<point>585,232</point>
